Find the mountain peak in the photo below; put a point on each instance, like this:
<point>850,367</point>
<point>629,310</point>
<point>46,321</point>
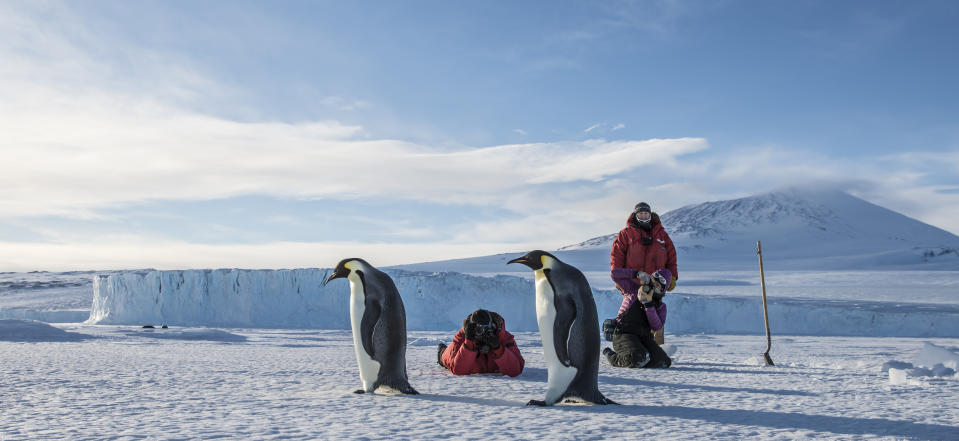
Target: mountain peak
<point>808,223</point>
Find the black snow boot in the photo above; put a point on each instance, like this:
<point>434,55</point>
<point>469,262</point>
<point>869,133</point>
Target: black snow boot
<point>440,349</point>
<point>609,354</point>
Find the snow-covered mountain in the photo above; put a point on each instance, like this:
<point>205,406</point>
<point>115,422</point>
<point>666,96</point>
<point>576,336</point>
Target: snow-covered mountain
<point>799,229</point>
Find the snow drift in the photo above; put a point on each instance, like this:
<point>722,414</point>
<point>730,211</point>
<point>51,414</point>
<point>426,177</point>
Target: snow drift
<point>34,331</point>
<point>439,301</point>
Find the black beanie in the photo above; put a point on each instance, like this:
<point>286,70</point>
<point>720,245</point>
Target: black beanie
<point>642,206</point>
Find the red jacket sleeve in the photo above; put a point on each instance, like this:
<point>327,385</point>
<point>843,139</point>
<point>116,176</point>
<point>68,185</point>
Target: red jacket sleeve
<point>507,357</point>
<point>671,257</point>
<point>617,255</point>
<point>460,356</point>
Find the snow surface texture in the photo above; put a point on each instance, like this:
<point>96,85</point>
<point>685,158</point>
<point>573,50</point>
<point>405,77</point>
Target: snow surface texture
<point>298,299</point>
<point>117,382</point>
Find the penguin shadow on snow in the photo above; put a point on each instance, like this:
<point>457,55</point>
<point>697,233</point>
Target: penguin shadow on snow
<point>467,400</point>
<point>538,375</point>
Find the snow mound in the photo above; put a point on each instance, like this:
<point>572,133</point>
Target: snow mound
<point>932,362</point>
<point>426,341</point>
<point>190,334</point>
<point>933,355</point>
<point>34,331</point>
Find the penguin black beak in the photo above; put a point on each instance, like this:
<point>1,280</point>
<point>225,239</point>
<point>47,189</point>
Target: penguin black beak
<point>532,259</point>
<point>338,273</point>
<point>519,260</point>
<point>525,261</point>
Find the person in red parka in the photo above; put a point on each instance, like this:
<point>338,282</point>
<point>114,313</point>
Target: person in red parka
<point>643,246</point>
<point>482,346</point>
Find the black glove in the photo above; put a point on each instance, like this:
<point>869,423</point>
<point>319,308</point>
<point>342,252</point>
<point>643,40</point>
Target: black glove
<point>469,328</point>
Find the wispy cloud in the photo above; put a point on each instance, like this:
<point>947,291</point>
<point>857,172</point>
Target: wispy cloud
<point>161,253</point>
<point>619,126</point>
<point>592,127</point>
<point>654,17</point>
<point>340,103</point>
<point>102,153</point>
<point>520,132</point>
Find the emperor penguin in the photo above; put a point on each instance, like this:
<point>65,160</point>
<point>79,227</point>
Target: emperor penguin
<point>378,320</point>
<point>569,327</point>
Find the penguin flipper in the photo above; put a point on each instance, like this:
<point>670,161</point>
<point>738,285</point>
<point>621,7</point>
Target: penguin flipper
<point>371,314</point>
<point>565,315</point>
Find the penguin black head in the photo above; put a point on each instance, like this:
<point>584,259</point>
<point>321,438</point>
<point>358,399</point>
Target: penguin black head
<point>533,259</point>
<point>344,268</point>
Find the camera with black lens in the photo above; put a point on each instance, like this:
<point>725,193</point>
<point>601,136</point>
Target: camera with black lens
<point>609,325</point>
<point>485,332</point>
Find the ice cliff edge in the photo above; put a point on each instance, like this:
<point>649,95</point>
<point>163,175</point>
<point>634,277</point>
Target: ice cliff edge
<point>297,298</point>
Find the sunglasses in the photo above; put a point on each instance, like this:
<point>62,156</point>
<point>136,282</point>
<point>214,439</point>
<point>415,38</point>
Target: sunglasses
<point>659,278</point>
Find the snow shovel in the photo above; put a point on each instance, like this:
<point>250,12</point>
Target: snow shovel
<point>762,280</point>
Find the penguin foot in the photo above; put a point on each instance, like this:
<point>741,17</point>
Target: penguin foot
<point>536,403</point>
<point>410,391</point>
<point>359,391</point>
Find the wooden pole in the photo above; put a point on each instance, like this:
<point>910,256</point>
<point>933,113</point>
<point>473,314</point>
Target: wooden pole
<point>762,281</point>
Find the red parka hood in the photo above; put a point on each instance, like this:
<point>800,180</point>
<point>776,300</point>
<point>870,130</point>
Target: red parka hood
<point>632,222</point>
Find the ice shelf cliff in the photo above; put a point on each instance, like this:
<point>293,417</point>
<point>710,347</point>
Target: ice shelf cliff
<point>439,301</point>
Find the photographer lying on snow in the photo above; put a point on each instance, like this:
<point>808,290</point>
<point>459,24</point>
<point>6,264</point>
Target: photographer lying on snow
<point>641,313</point>
<point>483,346</point>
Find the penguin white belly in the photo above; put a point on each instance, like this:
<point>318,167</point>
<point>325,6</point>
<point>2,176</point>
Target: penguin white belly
<point>369,368</point>
<point>558,376</point>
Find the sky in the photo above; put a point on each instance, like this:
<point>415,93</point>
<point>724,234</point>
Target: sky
<point>176,135</point>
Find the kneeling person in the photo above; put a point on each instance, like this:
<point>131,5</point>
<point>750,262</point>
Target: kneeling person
<point>482,346</point>
<point>641,312</point>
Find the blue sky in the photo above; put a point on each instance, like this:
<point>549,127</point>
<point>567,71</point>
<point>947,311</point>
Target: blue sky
<point>292,134</point>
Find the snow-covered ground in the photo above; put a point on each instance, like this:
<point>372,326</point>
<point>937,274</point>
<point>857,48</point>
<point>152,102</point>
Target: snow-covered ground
<point>844,369</point>
<point>74,381</point>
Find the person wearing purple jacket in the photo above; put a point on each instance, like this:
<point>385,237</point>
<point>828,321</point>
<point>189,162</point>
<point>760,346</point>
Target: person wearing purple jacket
<point>641,312</point>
